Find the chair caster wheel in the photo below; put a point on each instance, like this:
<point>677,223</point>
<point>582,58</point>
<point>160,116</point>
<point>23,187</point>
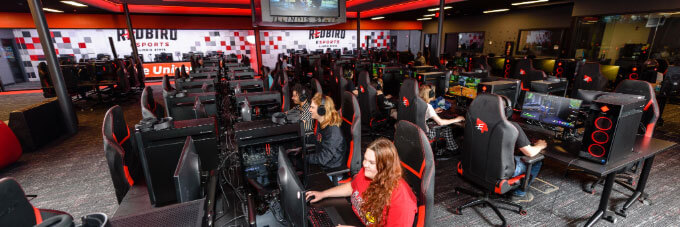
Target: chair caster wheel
<point>523,212</point>
<point>457,211</point>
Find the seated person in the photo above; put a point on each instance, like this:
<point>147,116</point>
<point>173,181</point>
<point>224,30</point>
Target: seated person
<point>377,186</point>
<point>383,99</point>
<point>428,94</point>
<point>420,60</point>
<point>330,146</point>
<point>300,98</point>
<point>524,145</point>
<point>350,83</point>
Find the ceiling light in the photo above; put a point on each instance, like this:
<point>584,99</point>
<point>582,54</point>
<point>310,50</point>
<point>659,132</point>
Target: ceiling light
<point>74,3</point>
<point>377,18</point>
<point>496,10</point>
<point>528,2</point>
<point>437,9</point>
<point>52,10</point>
<point>425,18</point>
<point>429,15</point>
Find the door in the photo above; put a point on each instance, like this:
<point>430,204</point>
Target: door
<point>13,60</point>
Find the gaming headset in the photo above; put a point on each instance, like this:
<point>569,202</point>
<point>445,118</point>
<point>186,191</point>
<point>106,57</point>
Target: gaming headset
<point>431,93</point>
<point>321,110</point>
<point>303,95</point>
<point>507,106</point>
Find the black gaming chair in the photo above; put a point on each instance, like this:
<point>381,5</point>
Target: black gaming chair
<point>316,86</point>
<point>488,155</point>
<point>17,210</point>
<point>150,108</point>
<point>480,62</point>
<point>650,115</point>
<point>167,87</point>
<point>351,131</point>
<point>410,106</point>
<point>524,71</point>
<point>417,162</point>
<point>368,103</point>
<point>589,77</point>
<point>121,155</point>
<point>285,91</point>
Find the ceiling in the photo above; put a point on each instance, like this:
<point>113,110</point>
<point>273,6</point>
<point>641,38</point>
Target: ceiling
<point>368,8</point>
<point>471,7</point>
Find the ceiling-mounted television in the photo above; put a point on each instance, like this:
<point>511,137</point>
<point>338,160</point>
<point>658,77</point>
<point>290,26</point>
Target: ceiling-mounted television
<point>540,42</point>
<point>291,13</point>
<point>471,41</point>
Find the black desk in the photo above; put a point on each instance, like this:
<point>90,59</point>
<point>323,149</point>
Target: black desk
<point>645,149</point>
<point>318,182</point>
<point>135,210</point>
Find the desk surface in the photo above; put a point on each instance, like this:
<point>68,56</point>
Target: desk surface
<point>321,182</point>
<point>567,153</point>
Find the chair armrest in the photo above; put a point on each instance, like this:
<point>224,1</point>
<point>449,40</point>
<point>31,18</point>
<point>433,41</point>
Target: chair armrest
<point>532,160</point>
<point>336,173</point>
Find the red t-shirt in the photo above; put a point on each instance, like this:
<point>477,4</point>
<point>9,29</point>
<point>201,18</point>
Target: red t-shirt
<point>403,206</point>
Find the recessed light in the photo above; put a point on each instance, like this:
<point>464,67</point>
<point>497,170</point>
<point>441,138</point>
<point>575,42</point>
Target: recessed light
<point>429,15</point>
<point>437,9</point>
<point>426,18</point>
<point>74,3</point>
<point>496,10</point>
<point>377,18</point>
<point>528,2</point>
<point>52,10</point>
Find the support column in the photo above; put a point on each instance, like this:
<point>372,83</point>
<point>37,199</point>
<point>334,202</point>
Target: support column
<point>258,48</point>
<point>131,35</point>
<point>64,99</point>
<point>440,28</point>
<point>358,34</point>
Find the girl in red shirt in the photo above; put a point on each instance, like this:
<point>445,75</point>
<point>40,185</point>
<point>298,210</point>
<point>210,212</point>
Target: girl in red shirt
<point>378,188</point>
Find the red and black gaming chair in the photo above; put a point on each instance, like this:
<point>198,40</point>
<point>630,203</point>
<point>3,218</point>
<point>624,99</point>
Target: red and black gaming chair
<point>368,103</point>
<point>121,153</point>
<point>589,77</point>
<point>351,131</point>
<point>417,162</point>
<point>488,155</point>
<point>16,210</point>
<point>150,108</point>
<point>284,87</point>
<point>410,106</point>
<point>650,115</point>
<point>524,71</point>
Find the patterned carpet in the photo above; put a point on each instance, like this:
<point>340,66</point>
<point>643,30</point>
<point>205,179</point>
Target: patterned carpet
<point>72,175</point>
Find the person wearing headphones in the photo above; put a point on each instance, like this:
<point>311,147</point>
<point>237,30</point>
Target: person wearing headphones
<point>300,98</point>
<point>428,94</point>
<point>330,146</point>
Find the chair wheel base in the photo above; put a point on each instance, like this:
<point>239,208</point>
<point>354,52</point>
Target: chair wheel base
<point>523,212</point>
<point>457,212</point>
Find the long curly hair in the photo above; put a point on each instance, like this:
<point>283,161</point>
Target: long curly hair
<point>377,196</point>
<point>332,117</point>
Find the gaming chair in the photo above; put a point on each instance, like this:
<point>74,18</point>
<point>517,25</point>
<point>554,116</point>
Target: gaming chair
<point>120,150</point>
<point>589,77</point>
<point>150,108</point>
<point>487,159</point>
<point>199,109</point>
<point>351,131</point>
<point>368,103</point>
<point>418,168</point>
<point>17,210</point>
<point>524,71</point>
<point>316,86</point>
<point>410,106</point>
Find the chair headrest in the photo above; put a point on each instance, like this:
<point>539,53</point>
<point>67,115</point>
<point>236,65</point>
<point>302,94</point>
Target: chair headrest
<point>199,108</point>
<point>148,103</point>
<point>636,87</point>
<point>415,154</point>
<point>166,84</point>
<point>591,68</point>
<point>488,108</point>
<point>409,89</point>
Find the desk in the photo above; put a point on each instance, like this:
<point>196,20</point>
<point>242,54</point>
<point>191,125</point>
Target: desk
<point>645,149</point>
<point>135,210</point>
<point>342,205</point>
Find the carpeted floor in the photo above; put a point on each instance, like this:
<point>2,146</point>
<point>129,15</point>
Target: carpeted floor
<point>72,175</point>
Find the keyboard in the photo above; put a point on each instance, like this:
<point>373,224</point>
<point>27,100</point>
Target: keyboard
<point>319,217</point>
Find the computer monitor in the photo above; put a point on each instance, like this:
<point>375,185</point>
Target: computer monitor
<point>610,71</point>
<point>545,64</point>
<point>464,86</point>
<point>550,109</point>
<point>292,193</point>
<point>188,174</point>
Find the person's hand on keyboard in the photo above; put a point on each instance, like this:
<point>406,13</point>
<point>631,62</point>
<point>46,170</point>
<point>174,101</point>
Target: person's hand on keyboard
<point>541,144</point>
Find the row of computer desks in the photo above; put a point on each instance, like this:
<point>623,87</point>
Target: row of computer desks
<point>211,154</point>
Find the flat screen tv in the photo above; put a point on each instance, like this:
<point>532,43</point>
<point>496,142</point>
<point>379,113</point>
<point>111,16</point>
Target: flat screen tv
<point>540,42</point>
<point>471,41</point>
<point>299,12</point>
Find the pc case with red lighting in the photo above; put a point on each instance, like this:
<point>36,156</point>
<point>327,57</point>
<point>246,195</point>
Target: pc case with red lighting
<point>611,130</point>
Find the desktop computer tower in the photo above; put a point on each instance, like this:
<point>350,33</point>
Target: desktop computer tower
<point>564,68</point>
<point>506,87</point>
<point>507,67</point>
<point>611,131</point>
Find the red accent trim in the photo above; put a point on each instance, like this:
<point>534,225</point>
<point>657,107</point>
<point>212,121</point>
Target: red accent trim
<point>124,139</point>
<point>603,129</point>
<point>421,216</point>
<point>522,86</point>
<point>460,169</point>
<point>649,104</point>
<point>514,180</point>
<point>127,175</point>
<point>598,156</point>
<point>497,189</point>
<point>283,102</point>
<point>38,216</point>
<point>351,153</point>
<point>345,119</point>
<point>650,129</point>
<point>418,174</point>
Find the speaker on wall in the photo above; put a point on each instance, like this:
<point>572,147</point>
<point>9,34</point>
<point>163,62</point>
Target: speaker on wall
<point>611,130</point>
